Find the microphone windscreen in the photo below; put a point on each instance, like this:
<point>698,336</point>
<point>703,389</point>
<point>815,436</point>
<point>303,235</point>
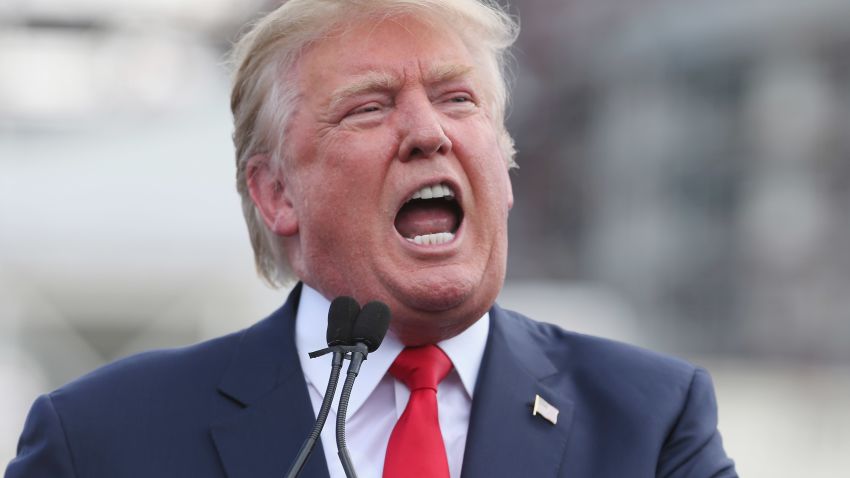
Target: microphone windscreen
<point>371,325</point>
<point>341,318</point>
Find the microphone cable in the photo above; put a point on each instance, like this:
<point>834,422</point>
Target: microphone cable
<point>367,334</point>
<point>341,317</point>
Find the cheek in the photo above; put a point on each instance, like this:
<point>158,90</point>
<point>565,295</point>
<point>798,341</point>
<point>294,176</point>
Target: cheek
<point>475,137</point>
<point>509,191</point>
<point>358,155</point>
<point>485,164</point>
<point>343,184</point>
<point>495,193</point>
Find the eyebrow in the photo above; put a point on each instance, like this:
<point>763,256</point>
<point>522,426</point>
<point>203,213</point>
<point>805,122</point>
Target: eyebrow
<point>368,83</point>
<point>377,82</point>
<point>447,72</point>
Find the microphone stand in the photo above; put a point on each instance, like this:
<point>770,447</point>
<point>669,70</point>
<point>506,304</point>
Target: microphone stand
<point>358,355</point>
<point>310,442</point>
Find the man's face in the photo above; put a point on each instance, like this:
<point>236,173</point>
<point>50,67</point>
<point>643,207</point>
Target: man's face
<point>387,113</point>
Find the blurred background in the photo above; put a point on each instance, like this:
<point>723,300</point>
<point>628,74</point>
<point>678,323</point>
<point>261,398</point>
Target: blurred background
<point>684,185</point>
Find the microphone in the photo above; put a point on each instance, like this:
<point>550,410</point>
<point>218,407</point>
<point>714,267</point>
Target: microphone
<point>341,317</point>
<point>371,325</point>
<point>367,333</point>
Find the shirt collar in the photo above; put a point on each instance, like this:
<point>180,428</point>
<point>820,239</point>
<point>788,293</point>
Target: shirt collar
<point>465,351</point>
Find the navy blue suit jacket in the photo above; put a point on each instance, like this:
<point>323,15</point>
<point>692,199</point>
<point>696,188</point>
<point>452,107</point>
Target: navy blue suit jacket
<point>238,407</point>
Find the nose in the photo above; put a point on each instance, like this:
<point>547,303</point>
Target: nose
<point>422,133</point>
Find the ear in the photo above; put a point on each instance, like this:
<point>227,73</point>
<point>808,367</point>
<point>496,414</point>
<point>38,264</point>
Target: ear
<point>270,195</point>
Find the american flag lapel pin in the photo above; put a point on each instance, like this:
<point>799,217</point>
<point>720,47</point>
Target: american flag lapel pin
<point>545,410</point>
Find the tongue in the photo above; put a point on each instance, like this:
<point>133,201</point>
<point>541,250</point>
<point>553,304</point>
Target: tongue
<point>418,218</point>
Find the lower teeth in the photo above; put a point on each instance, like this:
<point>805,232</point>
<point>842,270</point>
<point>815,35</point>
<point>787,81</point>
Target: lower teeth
<point>433,239</point>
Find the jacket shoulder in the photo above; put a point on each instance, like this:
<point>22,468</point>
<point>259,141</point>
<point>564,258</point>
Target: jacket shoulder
<point>163,369</point>
<point>561,345</point>
<point>660,408</point>
<point>600,366</point>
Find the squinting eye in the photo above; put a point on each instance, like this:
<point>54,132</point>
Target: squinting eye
<point>371,108</point>
<point>461,99</point>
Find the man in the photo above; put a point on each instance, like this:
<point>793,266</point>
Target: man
<point>372,161</point>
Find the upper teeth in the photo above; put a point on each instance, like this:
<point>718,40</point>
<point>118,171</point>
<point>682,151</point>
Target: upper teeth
<point>433,192</point>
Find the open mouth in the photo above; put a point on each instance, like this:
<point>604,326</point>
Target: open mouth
<point>430,216</point>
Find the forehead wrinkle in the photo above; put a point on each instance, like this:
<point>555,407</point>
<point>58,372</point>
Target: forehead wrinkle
<point>368,83</point>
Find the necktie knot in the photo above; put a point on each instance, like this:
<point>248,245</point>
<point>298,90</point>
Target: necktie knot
<point>421,367</point>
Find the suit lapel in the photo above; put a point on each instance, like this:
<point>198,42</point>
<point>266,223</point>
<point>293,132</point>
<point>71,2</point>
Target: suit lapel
<point>265,378</point>
<point>504,438</point>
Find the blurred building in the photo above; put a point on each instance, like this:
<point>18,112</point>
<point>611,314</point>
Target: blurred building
<point>695,159</point>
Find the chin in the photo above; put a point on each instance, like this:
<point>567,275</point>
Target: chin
<point>442,297</point>
<point>436,290</point>
<point>439,306</point>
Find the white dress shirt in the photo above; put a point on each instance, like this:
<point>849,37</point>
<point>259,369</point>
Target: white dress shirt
<point>378,400</point>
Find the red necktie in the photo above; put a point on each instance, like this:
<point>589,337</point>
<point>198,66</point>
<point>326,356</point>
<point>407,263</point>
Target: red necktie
<point>416,447</point>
